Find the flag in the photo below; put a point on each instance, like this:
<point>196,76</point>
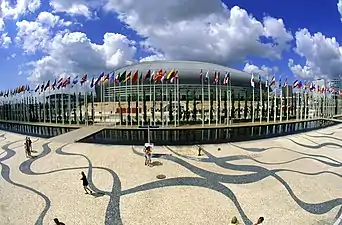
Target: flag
<point>112,78</point>
<point>60,83</point>
<point>273,81</point>
<point>300,84</point>
<point>53,86</point>
<point>175,77</point>
<point>141,78</point>
<point>92,84</point>
<point>207,76</point>
<point>216,78</point>
<point>148,75</point>
<point>226,78</point>
<point>37,88</point>
<point>285,82</point>
<point>42,87</point>
<point>135,77</point>
<point>295,84</point>
<point>171,74</point>
<point>122,77</point>
<point>252,80</point>
<point>84,79</point>
<point>47,85</point>
<point>75,81</point>
<point>99,79</point>
<point>159,75</point>
<point>128,77</point>
<point>201,76</point>
<point>66,82</point>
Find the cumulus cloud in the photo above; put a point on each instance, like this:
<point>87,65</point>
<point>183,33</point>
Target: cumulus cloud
<point>264,71</point>
<point>75,7</point>
<point>208,32</point>
<point>21,7</point>
<point>74,54</point>
<point>5,40</point>
<point>323,55</point>
<point>339,7</point>
<point>36,35</point>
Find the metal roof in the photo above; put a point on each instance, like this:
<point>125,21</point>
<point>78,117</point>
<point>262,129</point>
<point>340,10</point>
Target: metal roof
<point>189,71</point>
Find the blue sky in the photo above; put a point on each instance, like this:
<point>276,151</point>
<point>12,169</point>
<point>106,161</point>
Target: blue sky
<point>76,45</point>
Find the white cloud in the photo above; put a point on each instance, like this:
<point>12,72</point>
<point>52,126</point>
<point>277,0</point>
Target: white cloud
<point>323,55</point>
<point>75,54</point>
<point>36,35</point>
<point>208,32</point>
<point>2,25</point>
<point>339,7</point>
<point>152,58</point>
<point>22,7</point>
<point>264,70</point>
<point>75,7</point>
<point>5,41</point>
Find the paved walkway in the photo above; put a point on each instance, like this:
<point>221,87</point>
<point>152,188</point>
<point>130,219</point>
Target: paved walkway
<point>289,180</point>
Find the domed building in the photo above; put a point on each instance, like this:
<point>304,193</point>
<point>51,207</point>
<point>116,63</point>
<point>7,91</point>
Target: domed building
<point>180,90</point>
<point>189,79</point>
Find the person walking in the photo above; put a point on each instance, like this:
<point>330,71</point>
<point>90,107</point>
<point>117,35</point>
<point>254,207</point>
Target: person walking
<point>57,222</point>
<point>234,221</point>
<point>27,148</point>
<point>260,220</point>
<point>85,183</point>
<point>148,156</point>
<point>29,144</point>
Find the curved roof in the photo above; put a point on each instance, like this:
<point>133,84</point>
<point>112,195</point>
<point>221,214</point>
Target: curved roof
<point>189,71</point>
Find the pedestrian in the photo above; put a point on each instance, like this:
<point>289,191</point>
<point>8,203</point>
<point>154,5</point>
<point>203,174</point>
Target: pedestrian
<point>27,148</point>
<point>57,222</point>
<point>85,183</point>
<point>145,154</point>
<point>260,220</point>
<point>148,156</point>
<point>234,221</point>
<point>29,144</point>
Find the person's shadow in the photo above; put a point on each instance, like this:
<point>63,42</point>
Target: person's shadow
<point>97,194</point>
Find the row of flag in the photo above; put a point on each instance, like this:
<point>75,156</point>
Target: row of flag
<point>153,76</point>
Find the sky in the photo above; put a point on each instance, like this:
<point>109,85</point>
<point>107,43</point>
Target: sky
<point>44,40</point>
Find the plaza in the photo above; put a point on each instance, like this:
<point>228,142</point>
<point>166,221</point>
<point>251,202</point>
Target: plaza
<point>289,180</point>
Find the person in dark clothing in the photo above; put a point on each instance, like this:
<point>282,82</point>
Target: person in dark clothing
<point>85,183</point>
<point>57,222</point>
<point>27,148</point>
<point>29,144</point>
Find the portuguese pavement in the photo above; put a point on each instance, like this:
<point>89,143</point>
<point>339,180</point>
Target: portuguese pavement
<point>294,179</point>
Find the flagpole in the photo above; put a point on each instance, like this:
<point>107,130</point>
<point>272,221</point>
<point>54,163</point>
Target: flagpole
<point>175,100</point>
<point>287,102</point>
<point>166,99</point>
<point>69,104</point>
<point>154,103</point>
<point>77,105</point>
<point>301,104</point>
<point>85,101</point>
<point>209,96</point>
<point>162,104</point>
<point>220,95</point>
<point>150,97</point>
<point>261,105</point>
<point>305,104</point>
<point>62,99</point>
<point>268,100</point>
<point>143,96</point>
<point>55,106</point>
<point>228,97</point>
<point>253,106</point>
<point>281,102</point>
<point>216,96</point>
<point>202,105</point>
<point>131,98</point>
<point>275,103</point>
